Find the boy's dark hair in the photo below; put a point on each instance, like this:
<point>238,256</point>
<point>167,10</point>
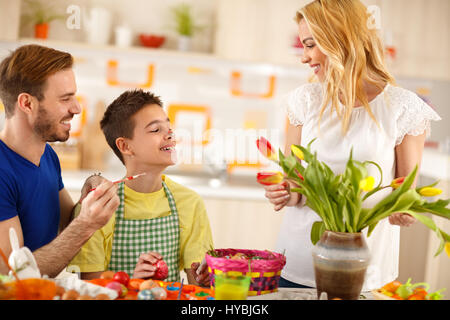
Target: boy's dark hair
<point>117,121</point>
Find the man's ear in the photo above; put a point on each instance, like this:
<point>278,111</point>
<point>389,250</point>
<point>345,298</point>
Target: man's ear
<point>26,102</point>
<point>123,146</point>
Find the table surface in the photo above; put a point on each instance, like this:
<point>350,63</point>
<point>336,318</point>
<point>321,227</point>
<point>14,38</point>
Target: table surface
<point>300,294</point>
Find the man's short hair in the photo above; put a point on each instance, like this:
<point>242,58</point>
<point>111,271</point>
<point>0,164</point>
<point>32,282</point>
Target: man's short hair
<point>117,121</point>
<point>26,70</point>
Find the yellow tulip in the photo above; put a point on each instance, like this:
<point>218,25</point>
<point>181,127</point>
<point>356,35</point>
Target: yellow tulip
<point>430,192</point>
<point>269,178</point>
<point>297,152</point>
<point>447,248</point>
<point>367,183</point>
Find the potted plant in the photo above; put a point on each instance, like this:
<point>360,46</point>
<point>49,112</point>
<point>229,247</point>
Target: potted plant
<point>184,25</point>
<point>40,15</point>
<point>338,201</point>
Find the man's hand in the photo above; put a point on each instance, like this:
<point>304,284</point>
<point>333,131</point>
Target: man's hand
<point>91,182</point>
<point>99,205</point>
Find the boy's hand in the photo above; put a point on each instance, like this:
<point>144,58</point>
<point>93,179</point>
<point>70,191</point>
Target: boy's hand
<point>144,268</point>
<point>201,274</point>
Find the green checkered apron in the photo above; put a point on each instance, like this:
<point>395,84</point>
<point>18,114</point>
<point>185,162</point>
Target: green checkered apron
<point>134,237</point>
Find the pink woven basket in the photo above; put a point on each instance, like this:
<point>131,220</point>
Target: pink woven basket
<point>265,272</point>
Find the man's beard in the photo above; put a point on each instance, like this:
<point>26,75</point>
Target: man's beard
<point>46,129</point>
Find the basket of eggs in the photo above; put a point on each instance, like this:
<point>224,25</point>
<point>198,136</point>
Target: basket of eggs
<point>263,267</point>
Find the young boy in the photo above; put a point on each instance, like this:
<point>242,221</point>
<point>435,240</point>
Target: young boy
<point>157,217</point>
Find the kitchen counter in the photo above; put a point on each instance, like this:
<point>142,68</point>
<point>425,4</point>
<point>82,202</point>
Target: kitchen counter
<point>435,165</point>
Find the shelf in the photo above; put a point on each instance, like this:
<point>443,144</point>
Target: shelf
<point>204,57</point>
<point>133,49</point>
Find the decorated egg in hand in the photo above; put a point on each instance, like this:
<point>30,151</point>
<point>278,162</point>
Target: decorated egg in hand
<point>162,271</point>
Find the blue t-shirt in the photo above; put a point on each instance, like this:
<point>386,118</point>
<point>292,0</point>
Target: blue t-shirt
<point>32,193</point>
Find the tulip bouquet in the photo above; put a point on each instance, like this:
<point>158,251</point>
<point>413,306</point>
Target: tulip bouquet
<point>338,199</point>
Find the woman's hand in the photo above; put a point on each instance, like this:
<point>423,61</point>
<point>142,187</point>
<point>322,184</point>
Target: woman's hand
<point>280,195</point>
<point>401,219</point>
<point>144,268</point>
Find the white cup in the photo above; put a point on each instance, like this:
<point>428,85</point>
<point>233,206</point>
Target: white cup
<point>123,36</point>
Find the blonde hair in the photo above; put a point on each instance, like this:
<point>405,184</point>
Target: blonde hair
<point>354,50</point>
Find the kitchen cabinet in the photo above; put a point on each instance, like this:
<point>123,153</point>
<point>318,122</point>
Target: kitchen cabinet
<point>9,19</point>
<point>261,30</point>
<point>264,30</point>
<point>420,30</point>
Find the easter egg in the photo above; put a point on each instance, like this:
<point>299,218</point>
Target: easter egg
<point>145,295</point>
<point>117,287</point>
<point>121,277</point>
<point>159,293</point>
<point>147,285</point>
<point>107,275</point>
<point>70,295</point>
<point>124,291</point>
<point>162,271</point>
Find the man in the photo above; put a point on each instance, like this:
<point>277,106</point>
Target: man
<point>37,88</point>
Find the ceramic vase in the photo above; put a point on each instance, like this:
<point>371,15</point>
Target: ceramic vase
<point>340,263</point>
<point>184,43</point>
<point>41,31</point>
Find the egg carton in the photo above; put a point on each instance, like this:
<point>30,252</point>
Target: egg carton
<point>85,288</point>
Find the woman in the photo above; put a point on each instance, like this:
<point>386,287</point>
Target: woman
<point>355,103</point>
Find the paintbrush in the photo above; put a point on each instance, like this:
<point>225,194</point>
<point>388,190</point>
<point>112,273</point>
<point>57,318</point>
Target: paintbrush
<point>125,179</point>
<point>181,289</point>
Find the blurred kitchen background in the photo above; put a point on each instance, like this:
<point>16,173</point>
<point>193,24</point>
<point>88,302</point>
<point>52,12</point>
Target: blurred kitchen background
<point>222,80</point>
